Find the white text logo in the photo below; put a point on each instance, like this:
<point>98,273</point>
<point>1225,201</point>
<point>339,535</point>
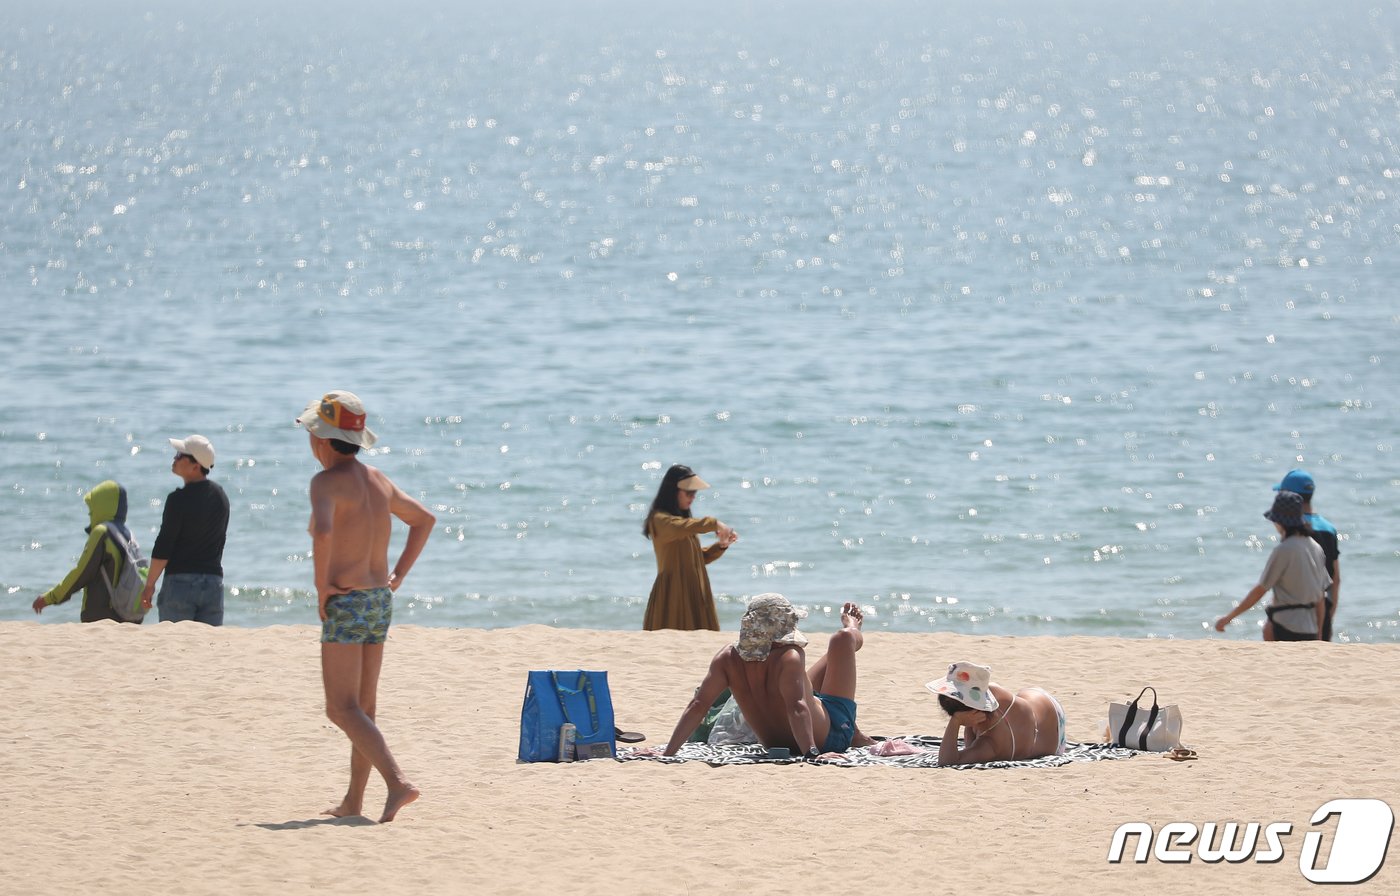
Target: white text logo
<point>1357,853</point>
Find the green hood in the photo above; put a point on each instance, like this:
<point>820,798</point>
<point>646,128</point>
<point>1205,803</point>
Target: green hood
<point>107,501</point>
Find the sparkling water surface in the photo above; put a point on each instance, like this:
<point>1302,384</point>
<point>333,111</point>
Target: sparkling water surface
<point>1000,320</point>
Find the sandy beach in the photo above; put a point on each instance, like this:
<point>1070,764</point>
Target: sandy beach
<point>185,759</point>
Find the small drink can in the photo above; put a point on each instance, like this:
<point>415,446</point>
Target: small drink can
<point>568,734</point>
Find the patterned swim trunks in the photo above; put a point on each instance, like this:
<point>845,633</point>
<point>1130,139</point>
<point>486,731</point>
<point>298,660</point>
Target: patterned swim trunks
<point>360,617</point>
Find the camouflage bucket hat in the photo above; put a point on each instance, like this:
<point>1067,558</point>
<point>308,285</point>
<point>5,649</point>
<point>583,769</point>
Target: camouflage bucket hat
<point>770,619</point>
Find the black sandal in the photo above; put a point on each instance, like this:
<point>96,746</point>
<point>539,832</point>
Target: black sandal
<point>628,737</point>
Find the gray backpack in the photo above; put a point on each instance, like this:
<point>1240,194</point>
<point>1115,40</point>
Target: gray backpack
<point>126,593</point>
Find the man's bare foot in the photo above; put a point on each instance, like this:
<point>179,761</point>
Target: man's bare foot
<point>346,809</point>
<point>396,801</point>
<point>851,616</point>
<point>861,739</point>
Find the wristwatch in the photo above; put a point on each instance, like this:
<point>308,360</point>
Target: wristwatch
<point>812,753</point>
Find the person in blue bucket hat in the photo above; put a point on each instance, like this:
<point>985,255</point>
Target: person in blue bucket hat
<point>1325,534</point>
<point>1297,573</point>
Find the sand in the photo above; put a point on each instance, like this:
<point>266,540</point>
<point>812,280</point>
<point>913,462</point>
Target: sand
<point>184,759</point>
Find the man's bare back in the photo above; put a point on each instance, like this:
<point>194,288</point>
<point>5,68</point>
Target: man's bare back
<point>758,689</point>
<point>359,499</point>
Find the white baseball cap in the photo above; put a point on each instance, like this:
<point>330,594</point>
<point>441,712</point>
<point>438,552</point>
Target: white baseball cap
<point>197,447</point>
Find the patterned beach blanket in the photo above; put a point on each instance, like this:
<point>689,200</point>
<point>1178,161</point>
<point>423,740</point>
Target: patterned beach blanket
<point>753,754</point>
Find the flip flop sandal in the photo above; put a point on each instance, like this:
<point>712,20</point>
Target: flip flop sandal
<point>1182,754</point>
<point>628,737</point>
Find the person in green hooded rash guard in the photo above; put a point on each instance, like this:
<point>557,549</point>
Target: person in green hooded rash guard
<point>106,505</point>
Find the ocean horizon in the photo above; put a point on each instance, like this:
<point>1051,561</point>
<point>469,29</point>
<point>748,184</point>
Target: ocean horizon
<point>999,321</point>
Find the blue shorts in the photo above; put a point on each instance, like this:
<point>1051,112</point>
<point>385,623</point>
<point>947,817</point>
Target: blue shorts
<point>360,617</point>
<point>842,712</point>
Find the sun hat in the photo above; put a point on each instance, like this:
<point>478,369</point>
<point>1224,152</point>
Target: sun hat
<point>770,619</point>
<point>969,684</point>
<point>1287,510</point>
<point>197,447</point>
<point>691,482</point>
<point>1297,481</point>
<point>338,415</point>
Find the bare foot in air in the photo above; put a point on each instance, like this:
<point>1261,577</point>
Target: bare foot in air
<point>346,809</point>
<point>396,801</point>
<point>851,616</point>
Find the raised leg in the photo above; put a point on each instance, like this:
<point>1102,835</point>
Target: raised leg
<point>835,672</point>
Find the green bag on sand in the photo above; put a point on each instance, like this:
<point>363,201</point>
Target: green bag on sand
<point>702,734</point>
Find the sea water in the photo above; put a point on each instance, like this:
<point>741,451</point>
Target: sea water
<point>998,319</point>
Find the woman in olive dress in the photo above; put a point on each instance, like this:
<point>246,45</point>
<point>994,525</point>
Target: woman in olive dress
<point>681,596</point>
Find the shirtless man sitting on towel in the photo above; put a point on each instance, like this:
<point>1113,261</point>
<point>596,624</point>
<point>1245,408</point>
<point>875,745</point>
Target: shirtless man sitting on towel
<point>811,713</point>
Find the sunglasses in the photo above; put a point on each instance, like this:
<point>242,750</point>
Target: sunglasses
<point>336,414</point>
<point>690,491</point>
<point>185,456</point>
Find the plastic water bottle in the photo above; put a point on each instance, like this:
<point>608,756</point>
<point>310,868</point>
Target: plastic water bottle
<point>568,735</point>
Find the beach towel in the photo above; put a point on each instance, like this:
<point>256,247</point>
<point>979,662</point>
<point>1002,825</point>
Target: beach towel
<point>753,754</point>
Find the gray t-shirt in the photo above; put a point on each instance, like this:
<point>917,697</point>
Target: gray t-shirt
<point>1297,572</point>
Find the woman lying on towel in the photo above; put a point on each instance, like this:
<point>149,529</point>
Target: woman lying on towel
<point>996,724</point>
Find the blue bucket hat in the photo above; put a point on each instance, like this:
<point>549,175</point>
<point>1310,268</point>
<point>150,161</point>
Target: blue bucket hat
<point>1300,482</point>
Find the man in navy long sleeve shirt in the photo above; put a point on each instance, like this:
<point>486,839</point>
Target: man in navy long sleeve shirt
<point>189,550</point>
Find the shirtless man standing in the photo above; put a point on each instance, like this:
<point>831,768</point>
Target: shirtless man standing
<point>351,506</point>
<point>813,714</point>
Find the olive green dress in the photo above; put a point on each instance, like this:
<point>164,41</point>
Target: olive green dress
<point>681,596</point>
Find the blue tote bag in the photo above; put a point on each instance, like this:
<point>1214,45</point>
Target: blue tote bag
<point>578,697</point>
